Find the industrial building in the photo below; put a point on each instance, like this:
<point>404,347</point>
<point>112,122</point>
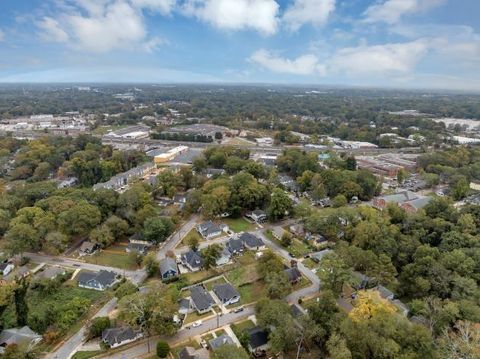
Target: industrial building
<point>170,154</point>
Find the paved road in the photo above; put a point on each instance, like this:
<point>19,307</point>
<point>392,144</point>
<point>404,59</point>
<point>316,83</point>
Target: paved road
<point>203,245</point>
<point>183,335</point>
<point>70,346</point>
<point>176,238</point>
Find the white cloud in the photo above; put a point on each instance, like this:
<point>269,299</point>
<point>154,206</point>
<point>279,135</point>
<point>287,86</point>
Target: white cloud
<point>315,12</point>
<point>50,30</point>
<point>391,11</point>
<point>259,15</point>
<point>396,58</point>
<point>303,65</point>
<point>103,25</point>
<point>376,60</point>
<point>2,35</point>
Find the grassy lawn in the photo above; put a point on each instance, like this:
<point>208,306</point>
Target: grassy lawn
<point>207,337</point>
<point>310,264</point>
<point>112,259</point>
<point>239,224</point>
<point>242,275</point>
<point>304,282</point>
<point>297,247</point>
<point>238,328</point>
<point>200,276</point>
<point>250,293</point>
<point>209,285</point>
<point>192,234</point>
<point>86,354</point>
<point>220,332</point>
<point>194,316</point>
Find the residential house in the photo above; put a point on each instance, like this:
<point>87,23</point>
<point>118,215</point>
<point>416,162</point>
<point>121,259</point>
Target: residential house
<point>296,310</point>
<point>18,336</point>
<point>168,268</point>
<point>220,341</point>
<point>278,232</point>
<point>180,200</point>
<point>251,241</point>
<point>293,274</point>
<point>385,293</point>
<point>184,306</point>
<point>87,248</point>
<point>164,201</point>
<point>402,308</point>
<point>235,246</point>
<point>202,300</point>
<point>318,256</point>
<point>288,183</point>
<point>224,257</point>
<point>192,353</point>
<point>297,229</point>
<point>192,260</point>
<point>140,248</point>
<point>257,341</point>
<point>97,281</point>
<point>209,230</point>
<point>115,337</point>
<point>257,215</point>
<point>213,172</point>
<point>6,268</point>
<point>226,293</point>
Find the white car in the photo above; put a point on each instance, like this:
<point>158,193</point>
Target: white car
<point>196,323</point>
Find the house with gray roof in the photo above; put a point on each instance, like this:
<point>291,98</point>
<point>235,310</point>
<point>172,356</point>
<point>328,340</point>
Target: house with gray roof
<point>224,257</point>
<point>115,337</point>
<point>257,340</point>
<point>97,281</point>
<point>293,274</point>
<point>51,273</point>
<point>202,300</point>
<point>257,215</point>
<point>88,248</point>
<point>397,198</point>
<point>168,268</point>
<point>235,246</point>
<point>140,248</point>
<point>278,232</point>
<point>192,353</point>
<point>220,341</point>
<point>184,306</point>
<point>385,293</point>
<point>226,293</point>
<point>192,260</point>
<point>18,336</point>
<point>416,204</point>
<point>209,230</point>
<point>6,268</point>
<point>251,241</point>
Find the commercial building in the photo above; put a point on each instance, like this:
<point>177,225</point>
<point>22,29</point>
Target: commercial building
<point>131,132</point>
<point>170,154</point>
<point>206,130</point>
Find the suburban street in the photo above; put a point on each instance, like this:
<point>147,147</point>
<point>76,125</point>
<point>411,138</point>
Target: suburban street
<point>175,238</point>
<point>183,335</point>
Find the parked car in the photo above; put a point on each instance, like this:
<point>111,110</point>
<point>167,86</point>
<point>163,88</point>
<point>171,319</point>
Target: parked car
<point>238,310</point>
<point>197,323</point>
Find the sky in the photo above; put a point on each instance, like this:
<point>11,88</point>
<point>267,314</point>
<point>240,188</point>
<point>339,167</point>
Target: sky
<point>379,43</point>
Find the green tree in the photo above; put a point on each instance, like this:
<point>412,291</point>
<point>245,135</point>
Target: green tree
<point>277,285</point>
<point>56,242</point>
<point>151,265</point>
<point>102,236</point>
<point>79,219</point>
<point>20,238</point>
<point>280,204</point>
<point>118,226</point>
<point>337,348</point>
<point>401,176</point>
<point>162,349</point>
<point>210,255</point>
<point>157,229</point>
<point>333,273</point>
<point>339,201</point>
<point>229,352</point>
<point>97,326</point>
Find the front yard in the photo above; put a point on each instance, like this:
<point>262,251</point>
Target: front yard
<point>192,234</point>
<point>239,224</point>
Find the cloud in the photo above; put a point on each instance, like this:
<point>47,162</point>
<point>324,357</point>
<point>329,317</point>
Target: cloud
<point>303,65</point>
<point>376,60</point>
<point>399,58</point>
<point>391,11</point>
<point>100,26</point>
<point>51,30</point>
<point>315,12</point>
<point>259,15</point>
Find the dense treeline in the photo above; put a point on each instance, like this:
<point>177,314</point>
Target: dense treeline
<point>83,157</point>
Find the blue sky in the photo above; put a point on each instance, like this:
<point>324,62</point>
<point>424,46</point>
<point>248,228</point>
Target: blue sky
<point>394,43</point>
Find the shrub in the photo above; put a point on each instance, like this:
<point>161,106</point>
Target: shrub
<point>162,349</point>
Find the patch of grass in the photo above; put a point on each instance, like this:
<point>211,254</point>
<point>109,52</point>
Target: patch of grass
<point>209,285</point>
<point>194,316</point>
<point>310,263</point>
<point>250,293</point>
<point>239,224</point>
<point>86,354</point>
<point>207,337</point>
<point>192,234</point>
<point>199,276</point>
<point>191,343</point>
<point>242,275</point>
<point>116,259</point>
<point>239,327</point>
<point>220,332</point>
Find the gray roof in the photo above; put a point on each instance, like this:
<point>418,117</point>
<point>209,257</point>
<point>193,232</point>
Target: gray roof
<point>384,292</point>
<point>250,240</point>
<point>193,258</point>
<point>278,231</point>
<point>419,202</point>
<point>296,310</point>
<point>168,264</point>
<point>105,278</point>
<point>3,266</point>
<point>258,337</point>
<point>259,212</point>
<point>114,336</point>
<point>208,227</point>
<point>138,247</point>
<point>234,245</point>
<point>184,303</point>
<point>225,292</point>
<point>87,246</point>
<point>18,336</point>
<point>50,272</point>
<point>192,353</point>
<point>223,339</point>
<point>399,197</point>
<point>319,255</point>
<point>293,274</point>
<point>201,298</point>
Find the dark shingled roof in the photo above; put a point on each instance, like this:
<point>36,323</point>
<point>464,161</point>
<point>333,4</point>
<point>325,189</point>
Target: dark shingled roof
<point>258,337</point>
<point>201,298</point>
<point>250,240</point>
<point>225,291</point>
<point>114,336</point>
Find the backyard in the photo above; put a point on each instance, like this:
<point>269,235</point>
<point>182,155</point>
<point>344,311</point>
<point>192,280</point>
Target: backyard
<point>192,234</point>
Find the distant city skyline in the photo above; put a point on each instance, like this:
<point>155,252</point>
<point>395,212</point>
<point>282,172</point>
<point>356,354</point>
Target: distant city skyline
<point>367,43</point>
